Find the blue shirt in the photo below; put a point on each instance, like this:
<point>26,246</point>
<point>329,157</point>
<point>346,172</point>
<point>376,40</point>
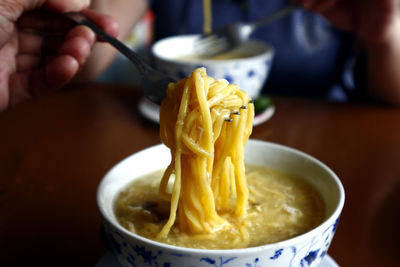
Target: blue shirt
<point>312,58</point>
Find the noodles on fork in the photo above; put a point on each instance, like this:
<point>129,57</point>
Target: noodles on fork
<point>206,123</point>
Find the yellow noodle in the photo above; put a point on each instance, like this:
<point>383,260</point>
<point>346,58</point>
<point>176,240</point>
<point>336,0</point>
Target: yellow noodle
<point>192,145</point>
<point>207,153</point>
<point>164,182</point>
<point>207,16</point>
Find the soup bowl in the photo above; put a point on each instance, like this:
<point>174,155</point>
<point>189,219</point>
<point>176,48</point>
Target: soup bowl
<point>247,66</point>
<point>307,249</point>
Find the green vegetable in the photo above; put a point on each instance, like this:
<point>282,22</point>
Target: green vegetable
<point>262,103</point>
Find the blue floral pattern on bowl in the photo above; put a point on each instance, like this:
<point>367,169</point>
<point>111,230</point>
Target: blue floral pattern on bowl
<point>250,76</point>
<point>249,73</point>
<point>137,255</point>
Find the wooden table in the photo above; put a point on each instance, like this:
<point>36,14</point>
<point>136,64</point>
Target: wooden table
<point>54,151</point>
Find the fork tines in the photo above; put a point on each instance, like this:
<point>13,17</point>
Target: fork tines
<point>210,45</point>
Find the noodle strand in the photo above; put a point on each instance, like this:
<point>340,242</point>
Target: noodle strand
<point>207,167</point>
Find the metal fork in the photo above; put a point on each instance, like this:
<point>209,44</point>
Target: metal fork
<point>232,35</point>
<point>153,82</point>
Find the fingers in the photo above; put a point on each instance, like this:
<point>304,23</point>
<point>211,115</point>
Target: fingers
<point>28,62</point>
<point>37,74</point>
<point>47,22</point>
<point>105,22</point>
<point>33,57</point>
<point>34,78</point>
<point>10,11</point>
<point>84,32</point>
<point>36,49</point>
<point>37,44</point>
<point>57,73</point>
<point>67,6</point>
<point>30,43</point>
<point>51,48</point>
<point>41,20</point>
<point>77,47</point>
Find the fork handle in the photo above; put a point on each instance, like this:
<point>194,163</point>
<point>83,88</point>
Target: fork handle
<point>276,15</point>
<point>81,19</point>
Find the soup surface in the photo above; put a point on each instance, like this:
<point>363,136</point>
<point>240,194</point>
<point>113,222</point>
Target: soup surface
<point>281,206</point>
<point>233,54</point>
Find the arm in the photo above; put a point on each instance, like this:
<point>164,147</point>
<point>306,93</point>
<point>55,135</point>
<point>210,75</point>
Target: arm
<point>127,13</point>
<point>377,24</point>
<point>384,67</point>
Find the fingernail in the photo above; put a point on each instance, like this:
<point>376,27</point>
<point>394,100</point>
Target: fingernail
<point>81,4</point>
<point>68,6</point>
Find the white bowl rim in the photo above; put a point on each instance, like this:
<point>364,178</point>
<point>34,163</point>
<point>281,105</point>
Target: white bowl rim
<point>248,250</point>
<point>270,51</point>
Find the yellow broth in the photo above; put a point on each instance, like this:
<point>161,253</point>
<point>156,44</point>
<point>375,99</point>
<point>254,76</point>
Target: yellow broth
<point>281,206</point>
<point>223,56</point>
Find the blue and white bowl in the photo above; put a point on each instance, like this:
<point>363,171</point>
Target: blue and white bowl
<point>307,249</point>
<point>249,73</point>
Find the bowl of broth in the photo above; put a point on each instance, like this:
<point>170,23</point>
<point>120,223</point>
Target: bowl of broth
<point>248,66</point>
<point>294,207</point>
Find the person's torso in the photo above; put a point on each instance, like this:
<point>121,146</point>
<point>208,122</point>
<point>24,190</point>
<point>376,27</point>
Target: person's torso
<point>309,51</point>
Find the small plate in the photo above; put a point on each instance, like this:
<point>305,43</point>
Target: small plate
<point>151,111</point>
<point>264,116</point>
<point>109,260</point>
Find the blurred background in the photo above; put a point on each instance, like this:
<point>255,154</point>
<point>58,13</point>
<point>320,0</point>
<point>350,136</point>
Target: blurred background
<point>312,57</point>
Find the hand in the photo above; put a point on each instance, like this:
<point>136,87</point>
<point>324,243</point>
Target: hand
<point>40,50</point>
<point>377,24</point>
<point>374,21</point>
